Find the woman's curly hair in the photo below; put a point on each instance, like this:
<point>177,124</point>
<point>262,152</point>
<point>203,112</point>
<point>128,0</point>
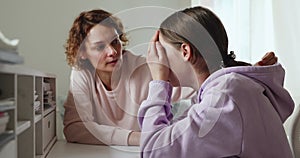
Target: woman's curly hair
<point>81,27</point>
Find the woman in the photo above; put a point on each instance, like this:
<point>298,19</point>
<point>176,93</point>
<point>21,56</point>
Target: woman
<point>107,83</point>
<point>240,109</point>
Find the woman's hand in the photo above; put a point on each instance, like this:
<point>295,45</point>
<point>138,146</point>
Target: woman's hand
<point>268,59</point>
<point>157,59</point>
<point>134,138</point>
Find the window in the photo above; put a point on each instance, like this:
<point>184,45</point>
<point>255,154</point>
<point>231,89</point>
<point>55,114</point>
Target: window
<point>249,29</point>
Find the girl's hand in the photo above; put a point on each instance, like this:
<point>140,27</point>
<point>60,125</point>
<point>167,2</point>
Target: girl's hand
<point>157,59</point>
<point>268,59</point>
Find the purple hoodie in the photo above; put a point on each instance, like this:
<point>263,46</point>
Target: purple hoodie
<point>240,112</point>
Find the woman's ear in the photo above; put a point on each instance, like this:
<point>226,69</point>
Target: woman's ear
<point>186,51</point>
<point>83,55</point>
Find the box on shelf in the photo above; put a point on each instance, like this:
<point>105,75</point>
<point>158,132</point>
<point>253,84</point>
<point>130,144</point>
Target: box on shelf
<point>4,117</point>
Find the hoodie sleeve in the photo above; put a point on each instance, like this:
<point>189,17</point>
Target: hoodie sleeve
<point>79,123</point>
<point>203,131</point>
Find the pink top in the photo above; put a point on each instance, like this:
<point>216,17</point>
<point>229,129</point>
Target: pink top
<point>94,115</point>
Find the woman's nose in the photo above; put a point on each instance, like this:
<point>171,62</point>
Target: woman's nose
<point>111,51</point>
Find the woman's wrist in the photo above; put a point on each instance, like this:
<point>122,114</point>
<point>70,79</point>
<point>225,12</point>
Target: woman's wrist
<point>134,138</point>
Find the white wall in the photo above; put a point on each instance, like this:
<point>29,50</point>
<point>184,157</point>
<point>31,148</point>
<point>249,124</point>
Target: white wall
<point>42,27</point>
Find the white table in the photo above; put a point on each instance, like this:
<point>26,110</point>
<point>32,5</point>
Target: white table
<point>62,149</point>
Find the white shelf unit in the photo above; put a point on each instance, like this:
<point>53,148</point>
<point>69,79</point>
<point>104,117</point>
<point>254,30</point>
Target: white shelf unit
<point>30,133</point>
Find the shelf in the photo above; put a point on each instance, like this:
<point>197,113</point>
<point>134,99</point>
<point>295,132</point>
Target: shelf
<point>50,145</point>
<point>20,69</point>
<point>7,104</point>
<point>8,107</point>
<point>37,118</point>
<point>31,120</point>
<point>39,156</point>
<point>6,137</point>
<point>22,126</point>
<point>48,110</point>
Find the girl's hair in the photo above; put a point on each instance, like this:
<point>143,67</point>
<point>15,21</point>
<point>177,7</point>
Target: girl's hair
<point>81,27</point>
<point>203,30</point>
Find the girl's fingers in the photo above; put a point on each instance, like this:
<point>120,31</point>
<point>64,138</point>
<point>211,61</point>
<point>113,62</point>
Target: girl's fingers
<point>268,53</point>
<point>268,56</point>
<point>152,45</point>
<point>155,36</point>
<point>162,54</point>
<point>159,48</point>
<point>271,61</point>
<point>268,59</point>
<point>152,49</point>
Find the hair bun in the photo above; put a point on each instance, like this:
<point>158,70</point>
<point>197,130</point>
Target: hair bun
<point>231,55</point>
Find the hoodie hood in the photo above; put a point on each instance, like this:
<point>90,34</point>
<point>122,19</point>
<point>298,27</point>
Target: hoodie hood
<point>271,78</point>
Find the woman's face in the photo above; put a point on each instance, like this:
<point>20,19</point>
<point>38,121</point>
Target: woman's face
<point>103,48</point>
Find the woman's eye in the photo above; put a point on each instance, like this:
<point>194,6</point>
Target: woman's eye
<point>100,47</point>
<point>116,41</point>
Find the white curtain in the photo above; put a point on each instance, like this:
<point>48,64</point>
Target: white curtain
<point>246,26</point>
<point>235,17</point>
<point>287,36</point>
<point>255,27</point>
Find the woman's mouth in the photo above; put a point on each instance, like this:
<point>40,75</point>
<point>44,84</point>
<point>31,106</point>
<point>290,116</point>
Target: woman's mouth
<point>113,62</point>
